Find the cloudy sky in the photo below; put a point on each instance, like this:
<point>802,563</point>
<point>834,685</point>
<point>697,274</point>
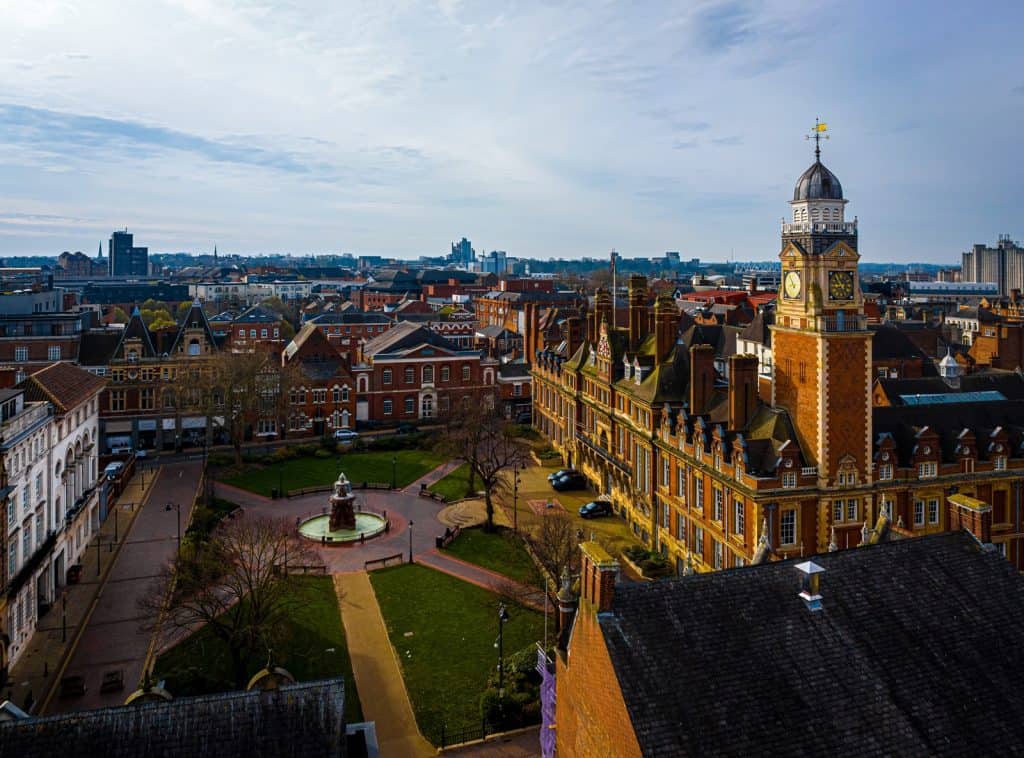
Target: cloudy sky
<point>545,129</point>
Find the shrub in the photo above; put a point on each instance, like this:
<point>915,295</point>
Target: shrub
<point>283,454</point>
<point>656,566</point>
<point>305,450</point>
<point>220,459</point>
<point>637,553</point>
<point>321,453</point>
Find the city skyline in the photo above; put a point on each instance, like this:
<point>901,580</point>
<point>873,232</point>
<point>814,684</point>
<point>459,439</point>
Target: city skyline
<point>393,129</point>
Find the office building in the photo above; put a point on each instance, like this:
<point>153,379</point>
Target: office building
<point>125,259</point>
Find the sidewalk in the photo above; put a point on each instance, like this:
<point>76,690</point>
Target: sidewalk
<point>433,476</point>
<point>532,597</point>
<point>381,687</point>
<point>37,670</point>
<point>113,638</point>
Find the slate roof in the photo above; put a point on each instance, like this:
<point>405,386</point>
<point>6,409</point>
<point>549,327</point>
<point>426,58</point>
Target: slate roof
<point>916,651</point>
<point>757,330</point>
<point>136,329</point>
<point>350,317</point>
<point>305,719</point>
<point>406,336</point>
<point>890,343</point>
<point>258,315</point>
<point>197,316</point>
<point>1009,383</point>
<point>97,346</point>
<point>62,384</point>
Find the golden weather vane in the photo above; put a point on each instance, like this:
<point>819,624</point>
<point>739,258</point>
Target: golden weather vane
<point>818,132</point>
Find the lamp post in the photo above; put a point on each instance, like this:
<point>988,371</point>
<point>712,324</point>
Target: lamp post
<point>394,464</point>
<point>410,540</point>
<point>177,507</point>
<point>502,619</point>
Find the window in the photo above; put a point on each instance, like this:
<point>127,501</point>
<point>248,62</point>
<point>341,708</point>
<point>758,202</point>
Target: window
<point>999,463</point>
<point>241,333</point>
<point>336,395</point>
<point>193,347</point>
<point>410,375</point>
<point>739,471</point>
<point>428,374</point>
<point>427,406</point>
<point>39,486</point>
<point>885,471</point>
<point>445,373</point>
<point>12,558</point>
<point>739,517</point>
<point>698,494</point>
<point>933,511</point>
<point>263,333</point>
<point>410,405</point>
<point>927,470</point>
<point>53,352</point>
<point>719,555</point>
<point>387,376</point>
<point>517,390</point>
<point>252,334</point>
<point>146,398</point>
<point>665,473</point>
<point>39,529</point>
<point>837,510</point>
<point>12,506</point>
<point>26,499</point>
<point>698,541</point>
<point>789,479</point>
<point>21,354</point>
<point>387,407</point>
<point>168,399</point>
<point>919,513</point>
<point>465,373</point>
<point>852,508</point>
<point>716,514</point>
<point>26,541</point>
<point>680,481</point>
<point>787,527</point>
<point>117,400</point>
<point>302,397</point>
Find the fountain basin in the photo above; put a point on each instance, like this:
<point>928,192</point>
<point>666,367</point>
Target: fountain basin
<point>318,529</point>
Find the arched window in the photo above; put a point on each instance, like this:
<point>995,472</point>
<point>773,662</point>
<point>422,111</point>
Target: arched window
<point>133,356</point>
<point>344,394</point>
<point>193,347</point>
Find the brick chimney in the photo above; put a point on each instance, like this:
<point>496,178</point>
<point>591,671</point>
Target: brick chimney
<point>971,514</point>
<point>637,308</point>
<point>742,389</point>
<point>666,325</point>
<point>572,335</point>
<point>599,571</point>
<point>702,377</point>
<point>602,312</point>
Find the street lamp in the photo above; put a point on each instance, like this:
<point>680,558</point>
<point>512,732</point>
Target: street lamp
<point>410,540</point>
<point>177,507</point>
<point>394,463</point>
<point>515,497</point>
<point>502,620</point>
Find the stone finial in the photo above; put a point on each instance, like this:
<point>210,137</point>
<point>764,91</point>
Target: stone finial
<point>763,540</point>
<point>865,533</point>
<point>832,546</point>
<point>688,566</point>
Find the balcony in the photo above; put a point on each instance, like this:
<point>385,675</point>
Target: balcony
<point>820,227</point>
<point>601,452</point>
<point>31,566</point>
<point>26,421</point>
<point>852,323</point>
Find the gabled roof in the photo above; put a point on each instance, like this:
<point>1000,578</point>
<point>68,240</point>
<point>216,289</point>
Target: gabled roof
<point>257,314</point>
<point>350,316</point>
<point>900,660</point>
<point>136,329</point>
<point>304,719</point>
<point>310,335</point>
<point>195,316</point>
<point>63,384</point>
<point>890,343</point>
<point>405,336</point>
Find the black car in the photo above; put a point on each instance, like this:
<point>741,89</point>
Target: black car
<point>560,473</point>
<point>596,508</point>
<point>524,417</point>
<point>573,481</point>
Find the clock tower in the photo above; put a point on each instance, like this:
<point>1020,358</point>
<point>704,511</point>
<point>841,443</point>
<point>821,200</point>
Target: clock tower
<point>820,341</point>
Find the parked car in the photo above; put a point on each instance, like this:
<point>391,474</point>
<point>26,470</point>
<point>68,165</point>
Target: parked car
<point>524,417</point>
<point>560,473</point>
<point>596,508</point>
<point>573,481</point>
<point>112,470</point>
<point>346,435</point>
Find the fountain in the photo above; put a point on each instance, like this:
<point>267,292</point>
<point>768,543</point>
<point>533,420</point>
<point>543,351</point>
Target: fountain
<point>344,523</point>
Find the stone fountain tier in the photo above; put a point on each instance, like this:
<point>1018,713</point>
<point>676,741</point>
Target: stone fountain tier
<point>343,505</point>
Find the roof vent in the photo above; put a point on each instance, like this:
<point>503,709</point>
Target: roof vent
<point>810,581</point>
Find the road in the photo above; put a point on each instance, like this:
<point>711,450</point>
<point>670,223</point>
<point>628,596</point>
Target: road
<point>113,638</point>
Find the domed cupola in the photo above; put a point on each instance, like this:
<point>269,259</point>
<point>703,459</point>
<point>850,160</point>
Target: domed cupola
<point>818,183</point>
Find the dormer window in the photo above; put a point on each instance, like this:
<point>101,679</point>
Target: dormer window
<point>193,347</point>
<point>133,356</point>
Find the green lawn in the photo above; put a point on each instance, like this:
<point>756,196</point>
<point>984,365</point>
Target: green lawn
<point>358,467</point>
<point>500,551</point>
<point>454,626</point>
<point>200,664</point>
<point>455,486</point>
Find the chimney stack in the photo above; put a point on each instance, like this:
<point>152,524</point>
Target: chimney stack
<point>572,335</point>
<point>810,584</point>
<point>974,515</point>
<point>637,308</point>
<point>597,583</point>
<point>666,326</point>
<point>567,605</point>
<point>742,389</point>
<point>702,377</point>
<point>602,312</point>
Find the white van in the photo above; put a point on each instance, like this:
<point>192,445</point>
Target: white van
<point>112,470</point>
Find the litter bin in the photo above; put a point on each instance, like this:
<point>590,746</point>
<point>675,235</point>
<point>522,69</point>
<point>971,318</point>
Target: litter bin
<point>439,542</point>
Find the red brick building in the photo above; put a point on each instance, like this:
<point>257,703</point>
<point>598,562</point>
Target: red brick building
<point>322,395</point>
<point>344,329</point>
<point>410,373</point>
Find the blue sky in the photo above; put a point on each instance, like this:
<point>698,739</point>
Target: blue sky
<point>393,127</point>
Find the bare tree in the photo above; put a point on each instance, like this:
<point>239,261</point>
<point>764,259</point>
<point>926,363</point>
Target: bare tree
<point>480,436</point>
<point>555,542</point>
<point>237,585</point>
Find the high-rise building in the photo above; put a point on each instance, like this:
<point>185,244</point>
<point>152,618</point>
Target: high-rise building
<point>124,258</point>
<point>1002,264</point>
<point>462,253</point>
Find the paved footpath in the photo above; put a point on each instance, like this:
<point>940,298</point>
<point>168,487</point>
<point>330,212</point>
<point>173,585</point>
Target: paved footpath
<point>378,678</point>
<point>489,580</point>
<point>113,637</point>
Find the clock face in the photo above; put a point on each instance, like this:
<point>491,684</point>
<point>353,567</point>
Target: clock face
<point>840,285</point>
<point>793,284</point>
